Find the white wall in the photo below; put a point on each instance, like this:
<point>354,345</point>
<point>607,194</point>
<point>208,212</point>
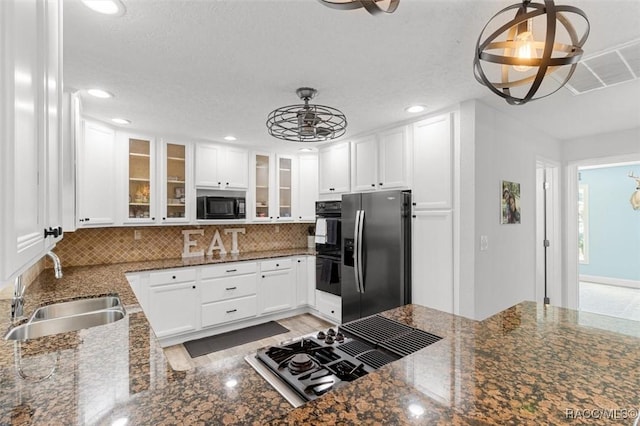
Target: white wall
<point>505,149</point>
<point>623,142</point>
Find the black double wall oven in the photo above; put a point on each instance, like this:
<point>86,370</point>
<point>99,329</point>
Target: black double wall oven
<point>328,250</point>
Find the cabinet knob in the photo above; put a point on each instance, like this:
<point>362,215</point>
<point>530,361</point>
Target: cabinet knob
<point>153,218</point>
<point>270,217</point>
<point>164,218</point>
<point>413,204</point>
<point>174,277</point>
<point>263,276</point>
<point>277,217</point>
<point>227,183</point>
<point>299,217</point>
<point>219,183</point>
<point>413,216</point>
<point>333,312</point>
<point>373,184</point>
<point>87,219</point>
<point>194,286</point>
<point>298,260</point>
<point>381,184</point>
<point>277,264</point>
<point>59,230</point>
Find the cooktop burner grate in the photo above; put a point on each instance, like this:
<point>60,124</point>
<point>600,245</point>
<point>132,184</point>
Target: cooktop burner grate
<point>354,347</point>
<point>375,358</point>
<point>410,342</point>
<point>376,328</point>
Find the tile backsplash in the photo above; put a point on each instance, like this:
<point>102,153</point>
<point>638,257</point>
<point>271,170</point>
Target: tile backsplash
<point>116,245</point>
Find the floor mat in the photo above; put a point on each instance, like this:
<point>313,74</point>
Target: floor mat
<point>230,339</point>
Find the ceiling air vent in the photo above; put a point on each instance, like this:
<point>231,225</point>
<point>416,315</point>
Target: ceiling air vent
<point>605,69</point>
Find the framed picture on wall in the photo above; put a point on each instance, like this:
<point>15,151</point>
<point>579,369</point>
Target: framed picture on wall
<point>510,203</point>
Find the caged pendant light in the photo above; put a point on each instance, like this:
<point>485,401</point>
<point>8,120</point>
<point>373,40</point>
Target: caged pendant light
<point>306,122</point>
<point>513,65</point>
<point>372,6</point>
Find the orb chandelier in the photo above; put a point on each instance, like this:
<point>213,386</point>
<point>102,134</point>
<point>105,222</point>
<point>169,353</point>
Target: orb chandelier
<point>371,6</point>
<point>513,65</point>
<point>306,122</point>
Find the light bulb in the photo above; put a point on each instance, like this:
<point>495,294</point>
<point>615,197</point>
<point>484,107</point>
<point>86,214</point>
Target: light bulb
<point>524,47</point>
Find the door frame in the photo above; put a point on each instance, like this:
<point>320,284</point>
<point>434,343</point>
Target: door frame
<point>549,171</point>
<point>571,263</point>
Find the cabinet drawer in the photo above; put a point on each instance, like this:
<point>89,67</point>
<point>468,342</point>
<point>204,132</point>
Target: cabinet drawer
<point>275,265</point>
<point>172,276</point>
<point>329,305</point>
<point>229,269</point>
<point>216,289</point>
<point>228,310</point>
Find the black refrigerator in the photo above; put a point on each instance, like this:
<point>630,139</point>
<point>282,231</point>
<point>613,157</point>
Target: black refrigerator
<point>376,252</point>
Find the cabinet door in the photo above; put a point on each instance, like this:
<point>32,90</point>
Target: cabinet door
<point>311,281</point>
<point>173,308</point>
<point>175,183</point>
<point>140,190</point>
<point>432,175</point>
<point>284,185</point>
<point>393,145</point>
<point>276,291</point>
<point>307,187</point>
<point>236,169</point>
<point>207,160</point>
<point>262,196</point>
<point>302,296</point>
<point>335,169</point>
<point>364,164</point>
<point>96,176</point>
<point>432,260</point>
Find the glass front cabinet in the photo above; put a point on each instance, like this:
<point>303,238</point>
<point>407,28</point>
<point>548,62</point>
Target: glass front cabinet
<point>285,192</point>
<point>175,182</point>
<point>141,170</point>
<point>262,196</point>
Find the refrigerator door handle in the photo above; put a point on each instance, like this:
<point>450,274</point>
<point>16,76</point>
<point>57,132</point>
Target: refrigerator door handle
<point>356,250</point>
<point>360,252</point>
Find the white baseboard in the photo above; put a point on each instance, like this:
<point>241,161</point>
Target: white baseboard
<point>610,281</point>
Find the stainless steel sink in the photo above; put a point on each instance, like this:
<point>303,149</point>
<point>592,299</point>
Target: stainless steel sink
<point>69,316</point>
<point>75,307</point>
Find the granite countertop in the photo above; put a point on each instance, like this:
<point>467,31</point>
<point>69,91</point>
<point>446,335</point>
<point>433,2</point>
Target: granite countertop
<point>529,364</point>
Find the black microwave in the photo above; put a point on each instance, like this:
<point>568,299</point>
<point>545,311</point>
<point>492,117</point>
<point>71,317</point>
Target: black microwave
<point>221,208</point>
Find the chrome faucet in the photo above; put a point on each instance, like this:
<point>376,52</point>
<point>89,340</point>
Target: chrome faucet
<point>17,302</point>
<point>57,266</point>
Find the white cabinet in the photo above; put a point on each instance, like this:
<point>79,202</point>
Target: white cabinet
<point>176,193</point>
<point>30,83</point>
<point>329,305</point>
<point>228,293</point>
<point>285,178</point>
<point>275,193</point>
<point>276,286</point>
<point>432,260</point>
<point>96,176</point>
<point>432,167</point>
<point>173,302</point>
<point>380,161</point>
<point>221,167</point>
<point>334,169</point>
<point>307,190</point>
<point>140,188</point>
<point>302,276</point>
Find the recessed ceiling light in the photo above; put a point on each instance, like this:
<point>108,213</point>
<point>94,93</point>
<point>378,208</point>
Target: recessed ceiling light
<point>229,138</point>
<point>121,121</point>
<point>107,7</point>
<point>306,149</point>
<point>414,109</point>
<point>99,93</point>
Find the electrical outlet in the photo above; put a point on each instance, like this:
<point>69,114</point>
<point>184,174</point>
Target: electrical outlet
<point>484,243</point>
<point>137,235</point>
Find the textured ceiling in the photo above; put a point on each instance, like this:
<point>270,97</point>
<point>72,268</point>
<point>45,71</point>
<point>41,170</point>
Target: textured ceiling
<point>200,70</point>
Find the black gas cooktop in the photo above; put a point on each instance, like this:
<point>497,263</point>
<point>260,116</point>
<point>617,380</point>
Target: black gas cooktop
<point>314,364</point>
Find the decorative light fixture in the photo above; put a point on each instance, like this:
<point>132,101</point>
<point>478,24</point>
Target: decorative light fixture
<point>522,63</point>
<point>370,5</point>
<point>307,122</point>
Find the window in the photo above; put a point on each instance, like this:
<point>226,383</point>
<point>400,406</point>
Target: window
<point>583,223</point>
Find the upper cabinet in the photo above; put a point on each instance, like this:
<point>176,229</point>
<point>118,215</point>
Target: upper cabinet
<point>176,182</point>
<point>334,169</point>
<point>141,189</point>
<point>96,177</point>
<point>221,167</point>
<point>285,181</point>
<point>432,167</point>
<point>275,182</point>
<point>380,161</point>
<point>262,194</point>
<point>30,125</point>
<point>307,188</point>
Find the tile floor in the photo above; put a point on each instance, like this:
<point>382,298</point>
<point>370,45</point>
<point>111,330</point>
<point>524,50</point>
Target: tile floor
<point>298,325</point>
<point>621,302</point>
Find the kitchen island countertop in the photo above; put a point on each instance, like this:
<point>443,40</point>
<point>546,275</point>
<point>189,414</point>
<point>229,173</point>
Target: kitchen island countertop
<point>530,364</point>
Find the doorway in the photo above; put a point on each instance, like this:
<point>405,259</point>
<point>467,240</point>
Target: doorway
<point>603,237</point>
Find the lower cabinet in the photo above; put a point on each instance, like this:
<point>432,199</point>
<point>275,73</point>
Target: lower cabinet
<point>171,308</point>
<point>187,303</point>
<point>276,286</point>
<point>329,305</point>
